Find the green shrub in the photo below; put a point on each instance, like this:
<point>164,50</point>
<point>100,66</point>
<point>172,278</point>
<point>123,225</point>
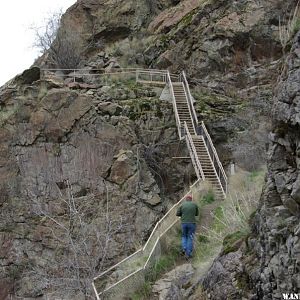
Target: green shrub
<point>209,197</point>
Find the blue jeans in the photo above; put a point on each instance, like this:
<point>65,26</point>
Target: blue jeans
<point>188,232</point>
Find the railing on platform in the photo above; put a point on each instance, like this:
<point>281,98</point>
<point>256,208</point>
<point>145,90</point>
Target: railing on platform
<point>130,273</point>
<point>140,75</point>
<point>214,158</point>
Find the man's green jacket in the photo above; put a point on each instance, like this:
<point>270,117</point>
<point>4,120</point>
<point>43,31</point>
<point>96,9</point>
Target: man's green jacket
<point>187,211</point>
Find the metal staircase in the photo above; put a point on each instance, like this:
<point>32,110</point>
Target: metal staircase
<point>182,106</point>
<point>202,151</point>
<point>208,168</point>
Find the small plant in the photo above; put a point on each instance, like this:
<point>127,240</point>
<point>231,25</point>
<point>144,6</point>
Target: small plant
<point>203,239</point>
<point>209,197</point>
<point>144,292</point>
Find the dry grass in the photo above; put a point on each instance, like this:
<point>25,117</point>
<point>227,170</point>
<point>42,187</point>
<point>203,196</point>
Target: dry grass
<point>200,294</point>
<point>286,32</point>
<point>231,216</point>
<point>243,198</point>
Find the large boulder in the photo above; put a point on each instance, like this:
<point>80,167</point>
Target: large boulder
<point>172,284</point>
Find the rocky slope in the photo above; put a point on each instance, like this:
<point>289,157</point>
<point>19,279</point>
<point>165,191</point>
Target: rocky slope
<point>229,50</point>
<point>81,167</point>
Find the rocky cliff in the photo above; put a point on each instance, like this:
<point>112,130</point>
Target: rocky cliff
<point>81,167</point>
<point>83,164</point>
<point>267,265</point>
<point>276,223</point>
<point>230,51</point>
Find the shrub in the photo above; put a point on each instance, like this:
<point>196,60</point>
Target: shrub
<point>62,45</point>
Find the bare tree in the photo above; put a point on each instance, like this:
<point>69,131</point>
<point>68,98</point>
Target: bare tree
<point>62,45</point>
<point>85,247</point>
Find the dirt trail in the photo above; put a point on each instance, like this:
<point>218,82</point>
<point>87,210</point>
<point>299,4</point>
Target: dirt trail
<point>206,219</point>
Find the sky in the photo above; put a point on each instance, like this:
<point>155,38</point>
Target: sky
<point>16,18</point>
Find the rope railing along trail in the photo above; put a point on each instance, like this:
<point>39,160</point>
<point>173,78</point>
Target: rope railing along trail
<point>130,273</point>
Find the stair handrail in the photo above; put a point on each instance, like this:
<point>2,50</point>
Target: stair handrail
<point>190,98</point>
<point>193,153</point>
<point>205,132</point>
<point>174,106</point>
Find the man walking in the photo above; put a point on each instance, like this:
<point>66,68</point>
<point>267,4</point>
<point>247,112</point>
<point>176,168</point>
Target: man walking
<point>188,211</point>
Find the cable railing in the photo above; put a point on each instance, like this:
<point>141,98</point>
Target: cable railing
<point>130,273</point>
<point>215,158</point>
<point>193,154</point>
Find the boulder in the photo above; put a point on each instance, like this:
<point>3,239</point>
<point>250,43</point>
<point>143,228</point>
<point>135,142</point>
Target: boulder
<point>170,286</point>
<point>29,75</point>
<point>123,167</point>
<point>112,109</point>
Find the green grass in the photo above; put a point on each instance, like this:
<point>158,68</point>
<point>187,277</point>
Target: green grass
<point>143,293</point>
<point>218,224</point>
<point>255,174</point>
<point>208,198</point>
<point>203,239</point>
<point>163,264</point>
<point>296,26</point>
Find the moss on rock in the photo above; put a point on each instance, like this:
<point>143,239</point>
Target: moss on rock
<point>233,241</point>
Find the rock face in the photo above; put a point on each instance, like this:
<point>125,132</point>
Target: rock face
<point>71,152</point>
<point>172,285</point>
<point>222,280</point>
<point>220,44</point>
<point>276,225</point>
<point>268,264</point>
<point>79,171</point>
<point>102,22</point>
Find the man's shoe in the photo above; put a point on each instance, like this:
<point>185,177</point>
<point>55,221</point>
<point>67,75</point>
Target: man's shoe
<point>182,252</point>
